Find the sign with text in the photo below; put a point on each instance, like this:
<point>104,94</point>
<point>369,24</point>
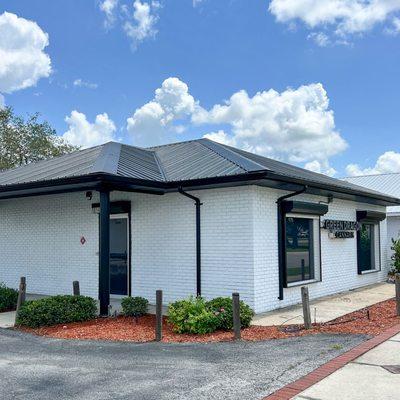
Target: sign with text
<point>341,229</point>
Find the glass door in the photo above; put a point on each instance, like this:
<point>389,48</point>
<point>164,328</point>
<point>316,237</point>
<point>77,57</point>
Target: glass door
<point>119,255</point>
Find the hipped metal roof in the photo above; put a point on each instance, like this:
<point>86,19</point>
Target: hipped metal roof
<point>193,164</point>
<point>384,183</point>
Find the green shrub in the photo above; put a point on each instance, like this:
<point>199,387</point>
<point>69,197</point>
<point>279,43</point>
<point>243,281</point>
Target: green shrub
<point>134,306</point>
<point>395,257</point>
<point>8,298</point>
<point>56,310</point>
<point>222,308</point>
<point>192,316</point>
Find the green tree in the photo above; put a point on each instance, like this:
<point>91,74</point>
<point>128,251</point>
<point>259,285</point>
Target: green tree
<point>25,141</point>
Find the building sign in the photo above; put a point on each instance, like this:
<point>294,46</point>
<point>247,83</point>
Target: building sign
<point>341,229</point>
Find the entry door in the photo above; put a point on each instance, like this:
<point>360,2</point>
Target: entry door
<point>119,255</point>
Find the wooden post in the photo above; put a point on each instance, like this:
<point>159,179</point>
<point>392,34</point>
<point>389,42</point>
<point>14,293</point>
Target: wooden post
<point>21,294</point>
<point>75,288</point>
<point>158,315</point>
<point>306,307</point>
<point>397,281</point>
<point>236,315</point>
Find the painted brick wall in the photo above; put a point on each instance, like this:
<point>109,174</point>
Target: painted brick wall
<point>40,239</point>
<point>339,256</point>
<point>164,246</point>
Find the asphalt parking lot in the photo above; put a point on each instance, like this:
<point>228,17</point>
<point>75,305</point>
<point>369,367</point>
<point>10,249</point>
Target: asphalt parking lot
<point>42,368</point>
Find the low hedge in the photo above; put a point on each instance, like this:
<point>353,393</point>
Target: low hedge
<point>8,298</point>
<point>56,310</point>
<point>134,306</point>
<point>191,316</point>
<point>197,316</point>
<point>223,309</point>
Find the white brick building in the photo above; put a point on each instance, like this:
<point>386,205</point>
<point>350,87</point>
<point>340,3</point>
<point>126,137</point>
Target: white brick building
<point>117,219</point>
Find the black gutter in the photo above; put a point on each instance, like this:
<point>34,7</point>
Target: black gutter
<point>282,238</point>
<point>198,239</point>
<point>161,187</point>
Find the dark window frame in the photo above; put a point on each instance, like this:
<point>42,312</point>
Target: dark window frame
<point>377,267</point>
<point>317,266</point>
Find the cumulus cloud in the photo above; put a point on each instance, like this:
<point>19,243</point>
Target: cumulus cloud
<point>344,17</point>
<point>153,122</point>
<point>22,58</point>
<point>320,38</point>
<point>143,22</point>
<point>109,8</point>
<point>295,125</point>
<point>83,133</point>
<point>81,83</point>
<point>388,162</point>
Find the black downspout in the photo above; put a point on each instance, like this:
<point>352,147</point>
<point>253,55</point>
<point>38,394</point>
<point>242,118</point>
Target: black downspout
<point>198,239</point>
<point>104,258</point>
<point>281,239</point>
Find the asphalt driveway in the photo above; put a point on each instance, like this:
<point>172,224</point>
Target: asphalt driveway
<point>41,368</point>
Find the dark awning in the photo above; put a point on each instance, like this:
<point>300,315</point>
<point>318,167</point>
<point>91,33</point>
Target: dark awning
<point>373,216</point>
<point>302,207</point>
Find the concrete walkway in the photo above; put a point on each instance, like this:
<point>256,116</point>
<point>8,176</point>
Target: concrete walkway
<point>374,375</point>
<point>330,307</point>
<point>7,319</point>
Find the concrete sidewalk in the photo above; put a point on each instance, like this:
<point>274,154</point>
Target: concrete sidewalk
<point>7,319</point>
<point>374,375</point>
<point>329,307</point>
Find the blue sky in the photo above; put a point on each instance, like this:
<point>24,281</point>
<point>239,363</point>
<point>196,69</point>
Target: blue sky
<point>215,50</point>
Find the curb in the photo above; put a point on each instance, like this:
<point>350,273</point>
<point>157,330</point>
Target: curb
<point>296,387</point>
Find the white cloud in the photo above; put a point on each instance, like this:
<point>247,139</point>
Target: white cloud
<point>221,137</point>
<point>81,83</point>
<point>22,58</point>
<point>294,125</point>
<point>109,8</point>
<point>153,122</point>
<point>320,38</point>
<point>2,101</point>
<point>85,134</point>
<point>345,17</point>
<point>395,28</point>
<point>144,19</point>
<point>386,163</point>
<point>321,168</point>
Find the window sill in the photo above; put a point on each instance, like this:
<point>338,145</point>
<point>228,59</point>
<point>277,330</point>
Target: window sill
<point>370,271</point>
<point>302,283</point>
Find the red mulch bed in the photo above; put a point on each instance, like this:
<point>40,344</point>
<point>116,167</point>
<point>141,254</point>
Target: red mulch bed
<point>372,321</point>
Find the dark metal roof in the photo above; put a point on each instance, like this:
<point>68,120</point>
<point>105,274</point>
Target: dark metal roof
<point>194,163</point>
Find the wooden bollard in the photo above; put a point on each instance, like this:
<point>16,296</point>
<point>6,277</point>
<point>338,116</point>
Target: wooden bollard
<point>236,316</point>
<point>306,307</point>
<point>158,315</point>
<point>75,288</point>
<point>397,283</point>
<point>21,294</point>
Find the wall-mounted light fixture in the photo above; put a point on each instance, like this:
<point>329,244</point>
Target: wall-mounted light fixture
<point>89,196</point>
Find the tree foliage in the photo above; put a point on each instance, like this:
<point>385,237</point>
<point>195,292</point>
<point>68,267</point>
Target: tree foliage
<point>25,141</point>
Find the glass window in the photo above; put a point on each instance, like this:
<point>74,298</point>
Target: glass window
<point>300,258</point>
<point>366,247</point>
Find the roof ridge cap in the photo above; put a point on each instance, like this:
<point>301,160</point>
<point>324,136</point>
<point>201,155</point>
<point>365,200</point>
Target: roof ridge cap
<point>108,159</point>
<point>238,159</point>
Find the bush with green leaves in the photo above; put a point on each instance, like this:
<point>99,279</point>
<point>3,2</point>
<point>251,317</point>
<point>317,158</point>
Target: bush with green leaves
<point>134,306</point>
<point>192,316</point>
<point>395,257</point>
<point>222,308</point>
<point>56,310</point>
<point>195,315</point>
<point>8,298</point>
